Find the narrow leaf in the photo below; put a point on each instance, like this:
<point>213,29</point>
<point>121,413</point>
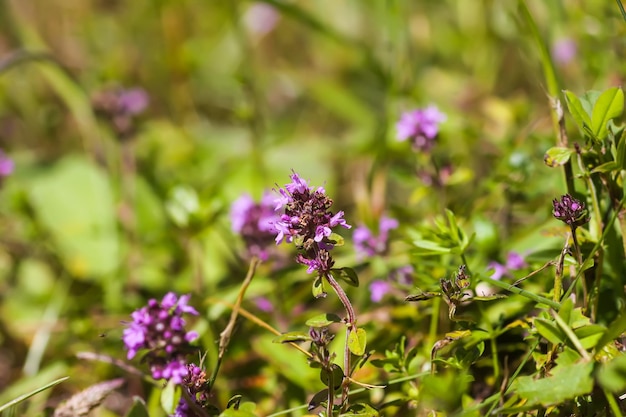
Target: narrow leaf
<point>550,331</point>
<point>30,394</point>
<point>318,288</point>
<point>292,337</point>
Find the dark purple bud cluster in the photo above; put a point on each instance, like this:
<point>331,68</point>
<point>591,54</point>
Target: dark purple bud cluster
<point>159,328</point>
<point>308,222</point>
<point>255,223</point>
<point>120,107</point>
<point>196,384</point>
<point>569,211</point>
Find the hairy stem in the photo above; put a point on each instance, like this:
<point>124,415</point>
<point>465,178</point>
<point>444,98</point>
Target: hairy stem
<point>350,325</point>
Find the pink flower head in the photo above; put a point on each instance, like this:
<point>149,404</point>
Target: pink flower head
<point>421,126</point>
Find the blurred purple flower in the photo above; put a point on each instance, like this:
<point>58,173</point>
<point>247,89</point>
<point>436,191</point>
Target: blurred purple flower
<point>255,222</point>
<point>564,51</point>
<point>378,289</point>
<point>160,328</point>
<point>133,101</point>
<point>402,275</point>
<point>514,262</point>
<point>6,165</point>
<point>261,18</point>
<point>421,126</point>
<point>120,107</point>
<point>367,244</point>
<point>264,304</point>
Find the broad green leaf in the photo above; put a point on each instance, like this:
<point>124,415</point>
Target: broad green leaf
<point>612,375</point>
<point>576,109</point>
<point>138,408</point>
<point>357,341</point>
<point>230,412</point>
<point>550,331</point>
<point>590,335</point>
<point>336,239</point>
<point>566,310</point>
<point>337,376</point>
<point>292,337</point>
<point>346,274</point>
<point>566,383</point>
<point>620,159</point>
<point>609,105</point>
<point>557,156</point>
<point>323,320</point>
<point>170,396</point>
<point>74,202</point>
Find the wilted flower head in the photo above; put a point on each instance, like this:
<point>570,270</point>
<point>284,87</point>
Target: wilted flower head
<point>308,222</point>
<point>255,223</point>
<point>6,165</point>
<point>160,328</point>
<point>367,243</point>
<point>120,107</point>
<point>421,126</point>
<point>570,211</point>
<point>564,51</point>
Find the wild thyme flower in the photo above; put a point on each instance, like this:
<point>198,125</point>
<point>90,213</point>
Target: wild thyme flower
<point>255,223</point>
<point>564,51</point>
<point>514,262</point>
<point>196,384</point>
<point>160,328</point>
<point>367,244</point>
<point>308,222</point>
<point>421,126</point>
<point>120,107</point>
<point>570,211</point>
<point>6,165</point>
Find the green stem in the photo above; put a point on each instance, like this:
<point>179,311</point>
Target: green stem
<point>350,325</point>
<point>515,290</point>
<point>434,321</point>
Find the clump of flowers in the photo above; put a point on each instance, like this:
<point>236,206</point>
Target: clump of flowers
<point>421,127</point>
<point>570,211</point>
<point>367,243</point>
<point>255,223</point>
<point>120,107</point>
<point>308,222</point>
<point>159,328</point>
<point>196,384</point>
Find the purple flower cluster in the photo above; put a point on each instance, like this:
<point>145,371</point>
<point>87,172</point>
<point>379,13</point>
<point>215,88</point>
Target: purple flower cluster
<point>120,107</point>
<point>308,223</point>
<point>514,262</point>
<point>255,223</point>
<point>160,328</point>
<point>564,51</point>
<point>421,126</point>
<point>367,243</point>
<point>569,211</point>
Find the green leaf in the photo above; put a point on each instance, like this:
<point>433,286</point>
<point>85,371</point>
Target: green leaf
<point>614,331</point>
<point>292,337</point>
<point>428,247</point>
<point>30,394</point>
<point>606,167</point>
<point>318,288</point>
<point>170,397</point>
<point>231,412</point>
<point>234,401</point>
<point>557,156</point>
<point>317,400</point>
<point>323,320</point>
<point>566,383</point>
<point>566,311</point>
<point>360,410</point>
<point>337,376</point>
<point>550,331</point>
<point>621,153</point>
<point>422,296</point>
<point>590,335</point>
<point>336,239</point>
<point>609,105</point>
<point>346,274</point>
<point>612,375</point>
<point>580,115</point>
<point>138,408</point>
<point>357,341</point>
<point>74,203</point>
